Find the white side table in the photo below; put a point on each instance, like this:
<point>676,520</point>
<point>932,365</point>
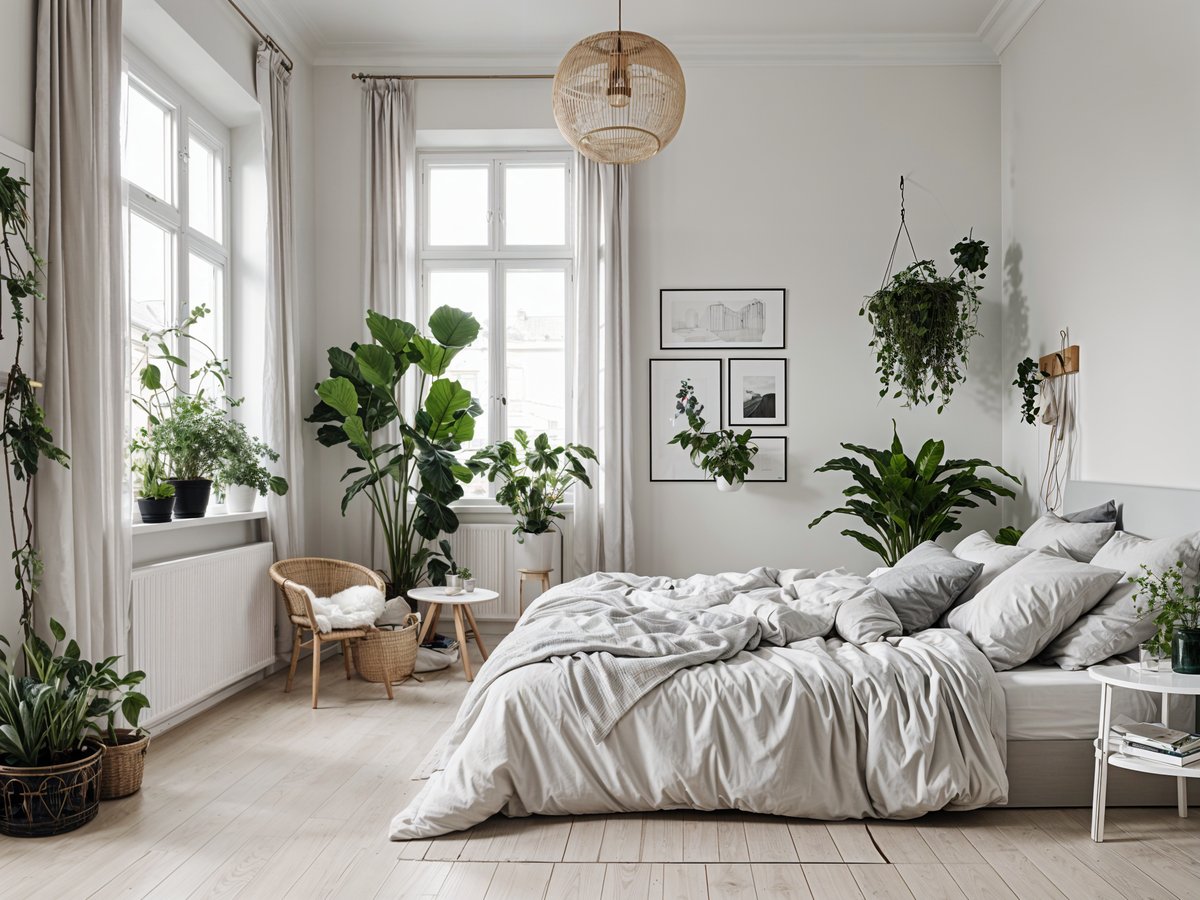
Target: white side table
<point>1133,677</point>
<point>437,597</point>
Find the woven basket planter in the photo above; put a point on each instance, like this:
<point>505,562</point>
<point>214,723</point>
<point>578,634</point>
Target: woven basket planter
<point>46,800</point>
<point>124,765</point>
<point>389,654</point>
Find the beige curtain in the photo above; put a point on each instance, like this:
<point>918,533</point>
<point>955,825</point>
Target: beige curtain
<point>82,331</point>
<point>285,399</point>
<point>603,523</point>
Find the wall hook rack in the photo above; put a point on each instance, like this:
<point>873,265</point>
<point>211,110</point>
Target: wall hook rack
<point>1062,362</point>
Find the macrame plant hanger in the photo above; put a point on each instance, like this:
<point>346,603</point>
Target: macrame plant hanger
<point>902,230</point>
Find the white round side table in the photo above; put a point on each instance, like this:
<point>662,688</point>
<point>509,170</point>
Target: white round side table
<point>464,619</point>
<point>1134,678</point>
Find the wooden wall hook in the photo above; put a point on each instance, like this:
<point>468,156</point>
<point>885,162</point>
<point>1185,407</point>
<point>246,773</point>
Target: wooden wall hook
<point>1065,362</point>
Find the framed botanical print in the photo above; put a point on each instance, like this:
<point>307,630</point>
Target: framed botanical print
<point>673,383</point>
<point>758,392</point>
<point>770,463</point>
<point>740,319</point>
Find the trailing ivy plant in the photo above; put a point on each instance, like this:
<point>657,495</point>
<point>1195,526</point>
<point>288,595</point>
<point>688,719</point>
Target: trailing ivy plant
<point>908,501</point>
<point>1029,380</point>
<point>922,326</point>
<point>723,453</point>
<point>26,439</point>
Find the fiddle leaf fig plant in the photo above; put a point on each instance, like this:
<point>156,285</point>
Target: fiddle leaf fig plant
<point>906,501</point>
<point>407,467</point>
<point>922,325</point>
<point>723,453</point>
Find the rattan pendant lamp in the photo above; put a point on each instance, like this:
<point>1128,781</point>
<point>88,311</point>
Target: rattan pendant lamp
<point>618,96</point>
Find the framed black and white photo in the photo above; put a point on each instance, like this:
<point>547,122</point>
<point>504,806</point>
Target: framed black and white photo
<point>668,378</point>
<point>700,319</point>
<point>757,392</point>
<point>770,463</point>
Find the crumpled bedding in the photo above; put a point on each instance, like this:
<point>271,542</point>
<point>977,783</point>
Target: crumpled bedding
<point>622,693</point>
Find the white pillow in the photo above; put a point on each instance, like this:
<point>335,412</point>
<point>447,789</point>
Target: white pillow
<point>1080,539</point>
<point>1026,607</point>
<point>1113,625</point>
<point>980,547</point>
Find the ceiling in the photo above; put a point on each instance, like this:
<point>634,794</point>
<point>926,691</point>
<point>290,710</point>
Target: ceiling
<point>538,32</point>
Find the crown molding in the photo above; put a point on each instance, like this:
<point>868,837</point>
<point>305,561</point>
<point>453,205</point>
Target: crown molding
<point>1005,22</point>
<point>823,50</point>
<point>300,40</point>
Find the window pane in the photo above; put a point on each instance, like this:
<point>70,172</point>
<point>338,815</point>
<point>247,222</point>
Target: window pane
<point>204,190</point>
<point>458,206</point>
<point>535,205</point>
<point>468,290</point>
<point>151,273</point>
<point>206,285</point>
<point>149,144</point>
<point>535,306</point>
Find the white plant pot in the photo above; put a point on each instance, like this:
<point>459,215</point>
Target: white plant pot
<point>469,585</point>
<point>239,498</point>
<point>536,551</point>
<point>728,486</point>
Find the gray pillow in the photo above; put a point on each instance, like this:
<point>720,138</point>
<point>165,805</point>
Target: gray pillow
<point>1113,626</point>
<point>1105,512</point>
<point>1026,607</point>
<point>924,583</point>
<point>1082,540</point>
<point>867,617</point>
<point>995,558</point>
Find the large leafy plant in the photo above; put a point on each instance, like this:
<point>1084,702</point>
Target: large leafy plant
<point>408,470</point>
<point>723,453</point>
<point>536,477</point>
<point>25,437</point>
<point>922,325</point>
<point>196,438</point>
<point>907,501</point>
<point>1170,600</point>
<point>48,713</point>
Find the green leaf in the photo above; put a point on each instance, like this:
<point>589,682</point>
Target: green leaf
<point>444,400</point>
<point>355,433</point>
<point>453,327</point>
<point>151,377</point>
<point>339,393</point>
<point>376,365</point>
<point>434,359</point>
<point>392,334</point>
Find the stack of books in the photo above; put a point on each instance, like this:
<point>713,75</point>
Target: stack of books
<point>1149,740</point>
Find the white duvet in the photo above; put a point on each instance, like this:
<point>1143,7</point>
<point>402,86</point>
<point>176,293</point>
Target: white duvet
<point>621,693</point>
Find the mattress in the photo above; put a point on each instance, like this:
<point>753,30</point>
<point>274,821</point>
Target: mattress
<point>1046,703</point>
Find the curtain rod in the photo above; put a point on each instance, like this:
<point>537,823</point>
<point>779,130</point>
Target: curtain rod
<point>363,76</point>
<point>270,41</point>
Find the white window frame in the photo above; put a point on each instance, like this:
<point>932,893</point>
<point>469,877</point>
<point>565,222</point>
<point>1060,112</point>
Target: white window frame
<point>189,118</point>
<point>497,257</point>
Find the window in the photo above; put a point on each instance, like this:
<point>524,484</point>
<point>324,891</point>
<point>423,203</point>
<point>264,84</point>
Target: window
<point>175,165</point>
<point>496,240</point>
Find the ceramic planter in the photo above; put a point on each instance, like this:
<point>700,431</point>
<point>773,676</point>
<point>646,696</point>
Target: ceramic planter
<point>240,498</point>
<point>155,511</point>
<point>728,486</point>
<point>46,800</point>
<point>468,584</point>
<point>535,552</point>
<point>191,497</point>
<point>1185,651</point>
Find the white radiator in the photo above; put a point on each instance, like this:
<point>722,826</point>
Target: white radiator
<point>201,624</point>
<point>488,550</point>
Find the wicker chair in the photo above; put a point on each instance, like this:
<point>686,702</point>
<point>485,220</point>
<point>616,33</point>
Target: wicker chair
<point>324,577</point>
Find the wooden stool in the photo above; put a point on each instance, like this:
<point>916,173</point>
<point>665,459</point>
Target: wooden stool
<point>534,575</point>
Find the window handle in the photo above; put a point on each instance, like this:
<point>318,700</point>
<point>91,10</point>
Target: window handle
<point>490,215</point>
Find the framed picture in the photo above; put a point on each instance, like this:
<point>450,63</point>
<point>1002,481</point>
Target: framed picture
<point>758,392</point>
<point>698,319</point>
<point>703,376</point>
<point>770,464</point>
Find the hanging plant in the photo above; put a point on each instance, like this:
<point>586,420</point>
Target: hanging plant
<point>923,323</point>
<point>1029,379</point>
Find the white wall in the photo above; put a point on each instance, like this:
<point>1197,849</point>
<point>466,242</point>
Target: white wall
<point>1101,183</point>
<point>779,177</point>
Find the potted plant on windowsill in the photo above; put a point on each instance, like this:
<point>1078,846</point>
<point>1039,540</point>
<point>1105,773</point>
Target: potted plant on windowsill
<point>155,497</point>
<point>536,479</point>
<point>242,476</point>
<point>724,454</point>
<point>195,439</point>
<point>1175,607</point>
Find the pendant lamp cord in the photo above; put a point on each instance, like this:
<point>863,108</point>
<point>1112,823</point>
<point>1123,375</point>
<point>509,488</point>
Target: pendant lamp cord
<point>903,229</point>
<point>619,14</point>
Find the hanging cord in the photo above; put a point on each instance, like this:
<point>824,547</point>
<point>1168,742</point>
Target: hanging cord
<point>902,230</point>
<point>1061,401</point>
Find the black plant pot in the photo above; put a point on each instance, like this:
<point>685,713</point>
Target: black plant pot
<point>1185,651</point>
<point>191,497</point>
<point>154,511</point>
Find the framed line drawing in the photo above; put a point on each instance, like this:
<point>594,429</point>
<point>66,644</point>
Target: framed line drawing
<point>722,319</point>
<point>758,392</point>
<point>770,463</point>
<point>670,462</point>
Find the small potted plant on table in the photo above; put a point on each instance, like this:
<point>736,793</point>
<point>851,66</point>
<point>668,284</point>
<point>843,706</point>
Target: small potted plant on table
<point>1175,607</point>
<point>724,454</point>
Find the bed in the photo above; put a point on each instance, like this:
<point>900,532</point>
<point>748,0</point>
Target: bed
<point>619,693</point>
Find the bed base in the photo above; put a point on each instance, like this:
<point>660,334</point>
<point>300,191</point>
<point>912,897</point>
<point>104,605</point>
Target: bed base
<point>1059,773</point>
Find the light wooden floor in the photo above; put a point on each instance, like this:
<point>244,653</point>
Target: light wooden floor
<point>263,797</point>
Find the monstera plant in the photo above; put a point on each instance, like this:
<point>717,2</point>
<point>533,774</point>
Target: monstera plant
<point>407,468</point>
<point>908,501</point>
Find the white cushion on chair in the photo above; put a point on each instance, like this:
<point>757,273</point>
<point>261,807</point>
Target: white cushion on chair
<point>355,607</point>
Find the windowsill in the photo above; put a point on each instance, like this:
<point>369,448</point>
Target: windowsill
<point>215,516</point>
<point>479,504</point>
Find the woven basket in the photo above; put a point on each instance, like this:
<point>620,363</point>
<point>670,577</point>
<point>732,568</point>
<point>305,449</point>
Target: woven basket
<point>124,765</point>
<point>389,654</point>
<point>46,800</point>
